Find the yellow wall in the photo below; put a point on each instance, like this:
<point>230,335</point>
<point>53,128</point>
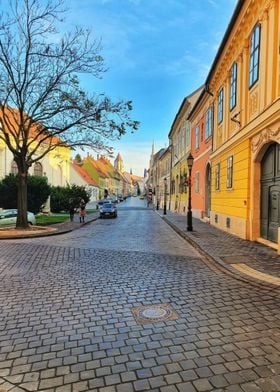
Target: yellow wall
<point>234,201</point>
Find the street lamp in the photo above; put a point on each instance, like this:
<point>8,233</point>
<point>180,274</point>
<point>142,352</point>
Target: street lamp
<point>157,197</point>
<point>190,160</point>
<point>165,195</point>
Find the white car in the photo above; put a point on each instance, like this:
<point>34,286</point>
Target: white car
<point>8,218</point>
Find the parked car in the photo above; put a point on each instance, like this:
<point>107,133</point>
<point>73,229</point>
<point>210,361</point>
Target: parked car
<point>108,210</point>
<point>8,218</point>
<point>108,200</point>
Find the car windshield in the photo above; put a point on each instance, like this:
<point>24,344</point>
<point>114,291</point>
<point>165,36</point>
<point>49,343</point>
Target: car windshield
<point>107,205</point>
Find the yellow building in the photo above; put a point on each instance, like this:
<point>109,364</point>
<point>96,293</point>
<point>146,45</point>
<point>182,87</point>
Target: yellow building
<point>164,178</point>
<point>180,146</point>
<point>245,83</point>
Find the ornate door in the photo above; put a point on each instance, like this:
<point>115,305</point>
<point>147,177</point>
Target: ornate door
<point>270,193</point>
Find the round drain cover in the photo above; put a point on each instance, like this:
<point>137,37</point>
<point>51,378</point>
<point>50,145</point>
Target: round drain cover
<point>154,313</point>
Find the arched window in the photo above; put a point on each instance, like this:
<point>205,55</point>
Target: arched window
<point>14,168</point>
<point>38,169</point>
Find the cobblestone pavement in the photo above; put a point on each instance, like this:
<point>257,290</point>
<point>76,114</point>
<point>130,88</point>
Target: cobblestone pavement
<point>66,322</point>
<point>229,249</point>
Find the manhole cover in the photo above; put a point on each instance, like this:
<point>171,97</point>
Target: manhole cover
<point>153,313</point>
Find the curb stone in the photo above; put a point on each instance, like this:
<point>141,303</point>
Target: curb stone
<point>219,265</point>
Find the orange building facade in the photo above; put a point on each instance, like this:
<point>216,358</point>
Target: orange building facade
<point>201,118</point>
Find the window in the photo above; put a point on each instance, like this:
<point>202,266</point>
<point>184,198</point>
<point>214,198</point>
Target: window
<point>254,55</point>
<point>209,123</point>
<point>38,170</point>
<point>233,86</point>
<point>197,137</point>
<point>197,182</point>
<point>220,106</point>
<point>182,141</point>
<point>187,134</point>
<point>229,171</point>
<point>14,168</point>
<point>217,177</point>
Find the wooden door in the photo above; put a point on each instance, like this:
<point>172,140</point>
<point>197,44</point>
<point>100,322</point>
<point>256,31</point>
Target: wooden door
<point>270,193</point>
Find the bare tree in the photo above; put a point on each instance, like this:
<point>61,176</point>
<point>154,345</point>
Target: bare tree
<point>42,105</point>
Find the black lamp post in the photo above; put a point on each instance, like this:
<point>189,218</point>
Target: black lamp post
<point>165,195</point>
<point>190,160</point>
<point>157,197</point>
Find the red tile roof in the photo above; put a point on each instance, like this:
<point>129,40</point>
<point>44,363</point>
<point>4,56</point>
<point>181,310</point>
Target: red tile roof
<point>79,169</point>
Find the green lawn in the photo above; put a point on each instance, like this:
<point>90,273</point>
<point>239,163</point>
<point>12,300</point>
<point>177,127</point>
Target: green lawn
<point>55,218</point>
<point>50,219</point>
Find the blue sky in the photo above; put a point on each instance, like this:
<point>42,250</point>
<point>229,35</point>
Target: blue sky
<point>157,52</point>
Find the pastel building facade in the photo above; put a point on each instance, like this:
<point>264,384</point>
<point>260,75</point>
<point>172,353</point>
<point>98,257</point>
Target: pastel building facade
<point>244,82</point>
<point>180,147</point>
<point>55,165</point>
<point>201,118</point>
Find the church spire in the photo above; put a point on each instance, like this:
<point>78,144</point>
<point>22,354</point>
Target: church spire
<point>118,163</point>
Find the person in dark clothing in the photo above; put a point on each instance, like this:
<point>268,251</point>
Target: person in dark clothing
<point>71,213</point>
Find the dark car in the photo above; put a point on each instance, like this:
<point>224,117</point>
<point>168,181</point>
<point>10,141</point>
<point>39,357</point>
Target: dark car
<point>108,210</point>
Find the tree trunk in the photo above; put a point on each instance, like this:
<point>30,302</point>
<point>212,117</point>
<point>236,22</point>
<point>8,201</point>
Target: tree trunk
<point>22,221</point>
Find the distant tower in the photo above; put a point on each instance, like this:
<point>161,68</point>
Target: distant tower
<point>130,171</point>
<point>118,163</point>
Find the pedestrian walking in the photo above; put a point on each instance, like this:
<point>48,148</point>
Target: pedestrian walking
<point>71,213</point>
<point>72,209</point>
<point>82,211</point>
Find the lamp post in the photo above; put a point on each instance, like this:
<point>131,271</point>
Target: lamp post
<point>190,160</point>
<point>157,197</point>
<point>165,195</point>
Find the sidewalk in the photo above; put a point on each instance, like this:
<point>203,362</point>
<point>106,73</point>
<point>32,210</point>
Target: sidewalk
<point>245,260</point>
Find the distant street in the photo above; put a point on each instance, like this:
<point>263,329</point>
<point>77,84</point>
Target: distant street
<point>66,320</point>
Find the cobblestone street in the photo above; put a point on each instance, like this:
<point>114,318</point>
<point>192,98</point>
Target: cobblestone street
<point>66,321</point>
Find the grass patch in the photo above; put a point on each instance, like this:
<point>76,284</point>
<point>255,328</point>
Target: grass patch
<point>56,218</point>
<point>50,219</point>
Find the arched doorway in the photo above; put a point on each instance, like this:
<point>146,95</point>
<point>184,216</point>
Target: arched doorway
<point>208,190</point>
<point>270,193</point>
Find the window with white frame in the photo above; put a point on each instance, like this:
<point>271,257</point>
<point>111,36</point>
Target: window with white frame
<point>209,123</point>
<point>187,128</point>
<point>229,171</point>
<point>196,182</point>
<point>182,141</point>
<point>220,105</point>
<point>217,176</point>
<point>197,137</point>
<point>38,169</point>
<point>14,168</point>
<point>254,55</point>
<point>233,86</point>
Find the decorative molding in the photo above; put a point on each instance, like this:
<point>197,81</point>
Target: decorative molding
<point>265,136</point>
<point>253,103</point>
